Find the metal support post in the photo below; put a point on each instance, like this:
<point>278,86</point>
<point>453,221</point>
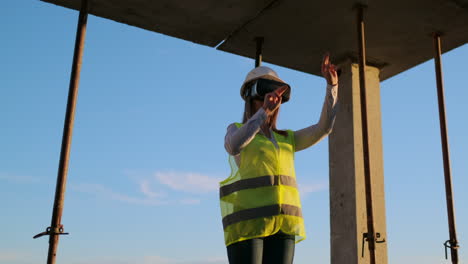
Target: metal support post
<point>56,228</point>
<point>452,243</point>
<point>258,54</point>
<point>371,236</point>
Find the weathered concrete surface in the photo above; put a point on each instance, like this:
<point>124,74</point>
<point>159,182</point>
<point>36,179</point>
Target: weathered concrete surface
<point>206,22</point>
<point>348,218</point>
<point>298,32</point>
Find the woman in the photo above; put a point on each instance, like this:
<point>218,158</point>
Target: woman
<point>260,204</point>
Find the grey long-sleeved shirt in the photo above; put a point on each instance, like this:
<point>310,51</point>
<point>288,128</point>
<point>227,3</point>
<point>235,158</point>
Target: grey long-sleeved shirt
<point>237,138</point>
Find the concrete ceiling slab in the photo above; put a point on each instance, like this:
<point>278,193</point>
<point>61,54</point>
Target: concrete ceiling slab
<point>398,32</point>
<point>298,32</point>
<point>205,22</point>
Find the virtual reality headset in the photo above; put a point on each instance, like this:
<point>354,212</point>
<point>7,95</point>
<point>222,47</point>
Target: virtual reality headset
<point>257,89</point>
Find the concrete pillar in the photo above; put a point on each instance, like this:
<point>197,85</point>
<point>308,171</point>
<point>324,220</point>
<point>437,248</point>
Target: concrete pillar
<point>348,219</point>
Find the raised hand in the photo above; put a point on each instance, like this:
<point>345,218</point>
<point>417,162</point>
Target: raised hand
<point>329,70</point>
<point>272,100</point>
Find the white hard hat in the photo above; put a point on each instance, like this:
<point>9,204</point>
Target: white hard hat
<point>257,73</point>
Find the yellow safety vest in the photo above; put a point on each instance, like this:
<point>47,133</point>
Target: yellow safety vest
<point>260,197</point>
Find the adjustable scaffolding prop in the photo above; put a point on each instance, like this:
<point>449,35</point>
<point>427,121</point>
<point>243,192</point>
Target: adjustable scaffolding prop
<point>371,236</point>
<point>56,227</point>
<point>452,243</point>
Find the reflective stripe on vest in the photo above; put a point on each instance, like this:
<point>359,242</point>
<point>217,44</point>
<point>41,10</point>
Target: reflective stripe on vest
<point>269,210</point>
<point>262,181</point>
<point>260,197</point>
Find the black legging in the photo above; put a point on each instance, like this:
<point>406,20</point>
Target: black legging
<point>275,249</point>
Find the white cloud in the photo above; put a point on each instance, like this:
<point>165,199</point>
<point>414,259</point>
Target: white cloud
<point>158,189</point>
<point>161,260</point>
<point>426,259</point>
<point>190,201</point>
<point>308,188</point>
<point>101,190</point>
<point>15,256</point>
<point>145,188</point>
<point>157,260</point>
<point>9,256</point>
<point>188,181</point>
<point>18,178</point>
<point>150,260</point>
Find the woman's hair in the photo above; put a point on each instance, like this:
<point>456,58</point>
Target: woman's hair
<point>249,111</point>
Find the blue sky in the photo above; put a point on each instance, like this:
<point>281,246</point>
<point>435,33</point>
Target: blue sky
<point>148,152</point>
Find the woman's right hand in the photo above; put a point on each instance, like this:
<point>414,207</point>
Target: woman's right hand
<point>272,100</point>
<point>329,70</point>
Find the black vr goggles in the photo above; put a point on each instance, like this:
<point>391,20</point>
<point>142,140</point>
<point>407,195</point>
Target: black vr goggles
<point>259,88</point>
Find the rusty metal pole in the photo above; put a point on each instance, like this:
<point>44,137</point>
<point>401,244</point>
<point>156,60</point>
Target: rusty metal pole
<point>452,243</point>
<point>56,228</point>
<point>371,237</point>
<point>258,55</point>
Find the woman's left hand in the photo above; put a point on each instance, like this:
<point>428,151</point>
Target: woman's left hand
<point>329,70</point>
<point>272,100</point>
